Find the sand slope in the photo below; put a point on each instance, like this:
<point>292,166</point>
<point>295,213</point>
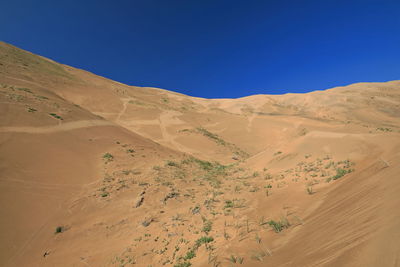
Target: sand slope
<point>148,177</point>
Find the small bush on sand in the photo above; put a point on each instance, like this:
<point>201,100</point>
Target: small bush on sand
<point>59,229</point>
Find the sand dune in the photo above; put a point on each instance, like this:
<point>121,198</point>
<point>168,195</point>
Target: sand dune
<point>97,173</point>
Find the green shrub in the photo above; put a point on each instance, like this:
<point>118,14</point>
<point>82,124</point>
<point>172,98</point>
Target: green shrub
<point>25,90</point>
<point>41,97</point>
<point>205,165</point>
<point>108,157</point>
<point>207,226</point>
<point>278,226</point>
<point>172,163</point>
<point>56,116</point>
<point>236,259</point>
<point>228,204</point>
<point>59,229</point>
<point>340,173</point>
<point>204,240</point>
<point>189,255</point>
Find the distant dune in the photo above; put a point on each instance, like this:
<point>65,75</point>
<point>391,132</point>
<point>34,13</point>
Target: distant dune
<point>97,173</point>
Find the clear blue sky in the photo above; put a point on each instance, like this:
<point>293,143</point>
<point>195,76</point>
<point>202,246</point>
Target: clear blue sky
<point>214,48</point>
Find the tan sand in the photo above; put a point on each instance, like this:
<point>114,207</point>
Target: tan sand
<point>97,173</point>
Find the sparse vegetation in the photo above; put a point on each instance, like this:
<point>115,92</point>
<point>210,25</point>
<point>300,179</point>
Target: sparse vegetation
<point>384,129</point>
<point>59,229</point>
<point>183,264</point>
<point>183,208</point>
<point>210,135</point>
<point>259,256</point>
<point>236,259</point>
<point>310,190</point>
<point>204,240</point>
<point>341,172</point>
<point>56,116</point>
<point>172,163</point>
<point>156,168</point>
<point>207,226</point>
<point>235,203</point>
<point>216,138</point>
<point>280,225</point>
<point>189,255</point>
<point>108,157</point>
<point>25,90</point>
<point>41,97</point>
<point>228,204</point>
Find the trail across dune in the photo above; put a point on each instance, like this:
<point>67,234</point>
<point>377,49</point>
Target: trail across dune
<point>168,118</point>
<point>124,107</point>
<point>68,126</point>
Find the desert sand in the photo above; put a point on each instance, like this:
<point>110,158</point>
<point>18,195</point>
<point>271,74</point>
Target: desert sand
<point>98,173</point>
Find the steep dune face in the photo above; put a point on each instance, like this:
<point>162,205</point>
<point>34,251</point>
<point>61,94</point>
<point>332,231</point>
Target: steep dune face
<point>343,230</point>
<point>52,154</point>
<point>98,173</point>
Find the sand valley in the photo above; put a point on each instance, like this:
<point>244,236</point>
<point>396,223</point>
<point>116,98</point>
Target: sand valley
<point>98,173</point>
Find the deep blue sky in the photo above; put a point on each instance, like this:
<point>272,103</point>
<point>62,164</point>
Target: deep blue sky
<point>214,48</point>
